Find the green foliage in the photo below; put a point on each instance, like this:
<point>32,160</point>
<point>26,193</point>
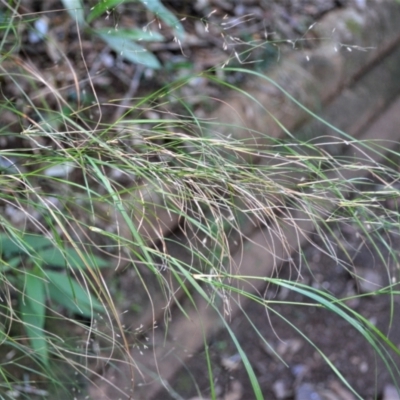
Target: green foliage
<point>124,41</point>
<point>33,311</point>
<point>30,260</point>
<point>75,9</point>
<point>129,49</point>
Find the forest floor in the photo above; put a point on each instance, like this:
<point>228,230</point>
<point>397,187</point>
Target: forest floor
<point>295,335</point>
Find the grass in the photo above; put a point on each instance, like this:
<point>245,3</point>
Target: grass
<point>85,198</point>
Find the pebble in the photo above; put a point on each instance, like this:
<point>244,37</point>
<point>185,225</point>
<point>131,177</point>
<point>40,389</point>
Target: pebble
<point>306,391</point>
<point>281,389</point>
<point>390,393</point>
<point>368,280</point>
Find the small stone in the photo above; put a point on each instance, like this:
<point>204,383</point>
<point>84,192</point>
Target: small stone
<point>281,390</point>
<point>299,370</point>
<point>368,280</point>
<point>289,347</point>
<point>363,367</point>
<point>231,363</point>
<point>306,391</point>
<point>235,391</point>
<point>390,393</point>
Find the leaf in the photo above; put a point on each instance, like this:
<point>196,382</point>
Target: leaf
<point>33,313</point>
<point>167,16</point>
<point>43,247</point>
<point>75,10</point>
<point>154,6</point>
<point>137,35</point>
<point>128,49</point>
<point>55,257</point>
<point>103,6</point>
<point>56,295</point>
<point>23,244</point>
<point>68,293</point>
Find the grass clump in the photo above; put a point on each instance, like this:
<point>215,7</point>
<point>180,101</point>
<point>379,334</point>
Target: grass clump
<point>96,190</point>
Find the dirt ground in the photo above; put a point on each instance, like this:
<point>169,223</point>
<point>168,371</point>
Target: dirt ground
<point>302,334</point>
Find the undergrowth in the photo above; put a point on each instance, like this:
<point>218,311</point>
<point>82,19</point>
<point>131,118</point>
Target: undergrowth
<point>154,194</point>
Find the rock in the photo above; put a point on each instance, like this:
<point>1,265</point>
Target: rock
<point>235,392</point>
<point>281,389</point>
<point>231,363</point>
<point>390,393</point>
<point>306,391</point>
<point>368,280</point>
<point>289,347</point>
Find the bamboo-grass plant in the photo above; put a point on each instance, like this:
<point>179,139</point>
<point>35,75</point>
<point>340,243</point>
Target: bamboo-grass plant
<point>85,199</point>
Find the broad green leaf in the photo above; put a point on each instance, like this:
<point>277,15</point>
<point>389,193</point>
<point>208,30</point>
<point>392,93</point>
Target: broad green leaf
<point>22,244</point>
<point>155,6</point>
<point>69,294</point>
<point>43,247</point>
<point>33,313</point>
<point>137,35</point>
<point>75,10</point>
<point>102,7</point>
<point>58,296</point>
<point>129,50</point>
<point>37,241</point>
<point>164,14</point>
<point>56,257</point>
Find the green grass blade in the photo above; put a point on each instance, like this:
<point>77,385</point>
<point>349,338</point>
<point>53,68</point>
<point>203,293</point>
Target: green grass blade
<point>33,313</point>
